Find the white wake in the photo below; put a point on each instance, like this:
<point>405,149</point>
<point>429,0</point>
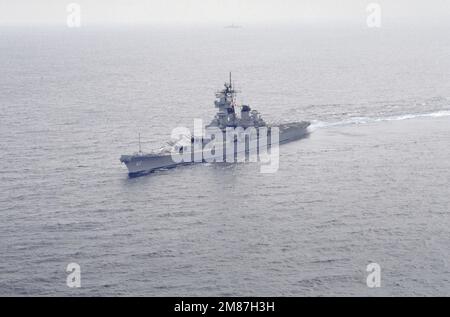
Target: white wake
<point>363,120</point>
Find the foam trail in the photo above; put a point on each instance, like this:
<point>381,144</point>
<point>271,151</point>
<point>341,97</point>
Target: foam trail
<point>362,120</point>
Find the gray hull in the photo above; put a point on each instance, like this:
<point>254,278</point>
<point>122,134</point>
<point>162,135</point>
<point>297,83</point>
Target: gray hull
<point>293,131</point>
<point>140,164</point>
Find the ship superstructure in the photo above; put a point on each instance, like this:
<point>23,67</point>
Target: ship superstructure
<point>227,115</point>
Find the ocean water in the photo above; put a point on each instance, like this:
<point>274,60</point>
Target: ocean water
<point>370,184</point>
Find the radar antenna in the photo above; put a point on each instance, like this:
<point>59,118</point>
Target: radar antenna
<point>140,143</point>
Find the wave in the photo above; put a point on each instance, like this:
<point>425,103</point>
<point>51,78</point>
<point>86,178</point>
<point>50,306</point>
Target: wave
<point>364,120</point>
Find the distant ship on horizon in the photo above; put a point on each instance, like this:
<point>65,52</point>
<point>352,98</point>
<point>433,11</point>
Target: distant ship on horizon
<point>234,26</point>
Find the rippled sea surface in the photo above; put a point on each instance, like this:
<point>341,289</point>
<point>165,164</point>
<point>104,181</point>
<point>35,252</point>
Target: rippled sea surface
<point>370,184</point>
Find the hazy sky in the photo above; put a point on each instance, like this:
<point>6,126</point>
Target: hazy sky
<point>220,11</point>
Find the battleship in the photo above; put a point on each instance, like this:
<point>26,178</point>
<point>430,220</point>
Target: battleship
<point>248,128</point>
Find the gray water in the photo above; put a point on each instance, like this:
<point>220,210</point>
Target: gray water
<point>370,184</point>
